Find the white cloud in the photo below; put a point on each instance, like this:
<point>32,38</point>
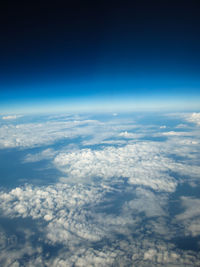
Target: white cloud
<point>128,135</point>
<point>48,132</point>
<point>71,216</point>
<point>11,117</point>
<point>190,218</point>
<point>44,154</point>
<point>131,252</point>
<point>173,133</point>
<point>38,134</point>
<point>141,163</point>
<point>147,202</point>
<point>61,206</point>
<point>91,131</point>
<point>15,250</point>
<point>193,117</point>
<point>92,220</point>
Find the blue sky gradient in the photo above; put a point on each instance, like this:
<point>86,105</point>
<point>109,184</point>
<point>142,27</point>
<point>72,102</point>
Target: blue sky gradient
<point>110,93</point>
<point>108,56</point>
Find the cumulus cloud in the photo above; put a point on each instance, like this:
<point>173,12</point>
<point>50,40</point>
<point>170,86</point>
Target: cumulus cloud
<point>141,163</point>
<point>71,213</point>
<point>61,206</point>
<point>92,216</point>
<point>72,217</point>
<point>193,117</point>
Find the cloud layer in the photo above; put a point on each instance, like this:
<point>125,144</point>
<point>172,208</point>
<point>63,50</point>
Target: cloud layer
<point>78,218</point>
<point>142,164</point>
<point>113,204</point>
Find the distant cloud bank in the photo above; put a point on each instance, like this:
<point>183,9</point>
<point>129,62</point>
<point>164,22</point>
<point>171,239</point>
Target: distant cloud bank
<point>11,117</point>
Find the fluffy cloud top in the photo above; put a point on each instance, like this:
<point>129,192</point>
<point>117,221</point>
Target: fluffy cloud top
<point>92,217</point>
<point>141,163</point>
<point>61,205</point>
<point>72,216</point>
<point>194,117</point>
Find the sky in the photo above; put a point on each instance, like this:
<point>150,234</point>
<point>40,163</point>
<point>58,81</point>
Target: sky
<point>104,55</point>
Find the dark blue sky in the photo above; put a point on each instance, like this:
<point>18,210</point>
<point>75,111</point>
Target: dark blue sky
<point>88,52</point>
